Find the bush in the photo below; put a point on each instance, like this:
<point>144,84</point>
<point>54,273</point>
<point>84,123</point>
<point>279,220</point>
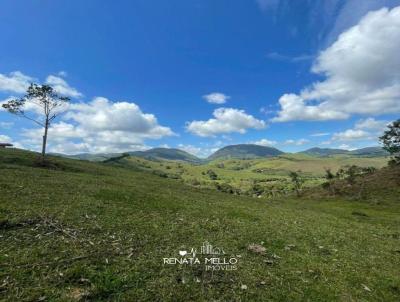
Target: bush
<point>226,188</point>
<point>212,175</point>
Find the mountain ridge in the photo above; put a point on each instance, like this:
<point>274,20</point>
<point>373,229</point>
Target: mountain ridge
<point>240,151</point>
<point>244,151</point>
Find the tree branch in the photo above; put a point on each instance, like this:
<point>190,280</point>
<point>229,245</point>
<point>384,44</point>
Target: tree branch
<point>31,119</point>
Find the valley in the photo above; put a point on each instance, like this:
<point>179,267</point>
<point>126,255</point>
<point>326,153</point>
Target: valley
<point>244,173</point>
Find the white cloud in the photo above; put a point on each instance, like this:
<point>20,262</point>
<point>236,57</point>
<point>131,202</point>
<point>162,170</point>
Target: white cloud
<point>201,152</point>
<point>16,82</point>
<point>191,149</point>
<point>298,142</point>
<point>100,127</point>
<point>345,147</point>
<point>294,107</point>
<point>103,115</point>
<point>265,142</point>
<point>281,57</point>
<point>226,120</point>
<point>371,124</point>
<point>318,134</point>
<point>62,87</point>
<point>5,138</point>
<point>216,98</point>
<point>361,70</point>
<point>364,129</point>
<point>351,134</point>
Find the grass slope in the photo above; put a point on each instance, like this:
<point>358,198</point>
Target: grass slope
<point>167,154</point>
<point>244,151</point>
<point>89,231</point>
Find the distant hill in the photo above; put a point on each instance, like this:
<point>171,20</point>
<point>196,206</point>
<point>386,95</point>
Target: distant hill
<point>370,152</point>
<point>363,152</point>
<point>166,154</point>
<point>244,151</point>
<point>89,156</point>
<point>324,151</point>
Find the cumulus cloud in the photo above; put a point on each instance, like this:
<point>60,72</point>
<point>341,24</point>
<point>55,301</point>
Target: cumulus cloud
<point>265,142</point>
<point>103,115</point>
<point>62,87</point>
<point>298,142</point>
<point>226,120</point>
<point>351,134</point>
<point>100,126</point>
<point>361,70</point>
<point>371,124</point>
<point>216,98</point>
<point>364,129</point>
<point>15,82</point>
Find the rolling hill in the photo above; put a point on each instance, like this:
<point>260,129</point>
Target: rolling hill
<point>166,154</point>
<point>324,151</point>
<point>244,151</point>
<point>370,152</point>
<point>367,152</point>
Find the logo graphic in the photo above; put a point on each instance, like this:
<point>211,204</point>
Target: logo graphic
<point>212,257</point>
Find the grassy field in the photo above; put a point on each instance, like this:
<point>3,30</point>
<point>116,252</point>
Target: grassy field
<point>246,177</point>
<point>97,232</point>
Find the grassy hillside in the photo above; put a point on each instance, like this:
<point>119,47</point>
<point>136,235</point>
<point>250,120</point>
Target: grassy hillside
<point>244,151</point>
<point>167,154</point>
<point>91,231</point>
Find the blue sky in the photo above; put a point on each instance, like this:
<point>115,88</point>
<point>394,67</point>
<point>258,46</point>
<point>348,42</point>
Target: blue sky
<point>199,75</point>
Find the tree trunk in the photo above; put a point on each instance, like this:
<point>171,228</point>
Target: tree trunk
<point>46,127</point>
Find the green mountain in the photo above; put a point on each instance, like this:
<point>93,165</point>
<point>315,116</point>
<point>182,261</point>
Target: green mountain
<point>324,151</point>
<point>244,151</point>
<point>370,152</point>
<point>166,154</point>
<point>363,152</point>
<point>89,156</point>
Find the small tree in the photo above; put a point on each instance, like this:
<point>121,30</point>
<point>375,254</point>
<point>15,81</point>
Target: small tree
<point>329,176</point>
<point>297,182</point>
<point>47,101</point>
<point>212,175</point>
<point>391,141</point>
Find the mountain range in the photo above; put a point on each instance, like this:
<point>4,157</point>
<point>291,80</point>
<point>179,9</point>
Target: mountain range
<point>367,152</point>
<point>241,151</point>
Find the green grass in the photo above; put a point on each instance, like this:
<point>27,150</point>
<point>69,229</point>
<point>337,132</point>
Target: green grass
<point>90,231</point>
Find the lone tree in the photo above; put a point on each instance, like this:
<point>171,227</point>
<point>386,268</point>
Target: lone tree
<point>47,102</point>
<point>297,182</point>
<point>391,141</point>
